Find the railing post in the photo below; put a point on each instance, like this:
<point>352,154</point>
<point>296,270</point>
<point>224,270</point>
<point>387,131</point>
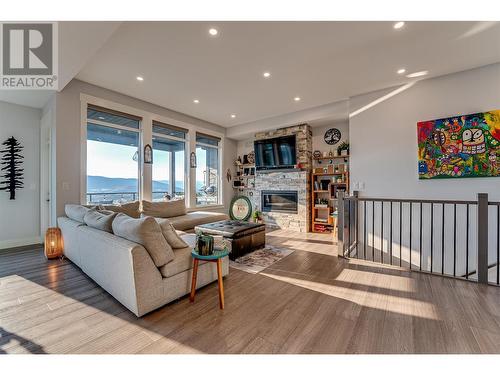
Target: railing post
<point>340,224</point>
<point>482,238</point>
<point>355,194</point>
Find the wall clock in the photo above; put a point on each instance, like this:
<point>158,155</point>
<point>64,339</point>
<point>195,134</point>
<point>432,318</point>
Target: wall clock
<point>332,136</point>
<point>240,208</point>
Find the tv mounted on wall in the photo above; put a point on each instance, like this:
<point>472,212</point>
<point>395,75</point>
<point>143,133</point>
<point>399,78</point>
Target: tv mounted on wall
<point>275,153</point>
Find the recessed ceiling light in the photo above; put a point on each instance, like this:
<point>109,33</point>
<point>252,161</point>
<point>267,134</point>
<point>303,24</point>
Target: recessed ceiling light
<point>417,74</point>
<point>213,31</point>
<point>266,74</point>
<point>399,25</point>
<point>401,71</point>
<point>297,99</point>
<point>233,116</point>
<point>139,78</point>
<point>196,101</point>
<point>101,118</point>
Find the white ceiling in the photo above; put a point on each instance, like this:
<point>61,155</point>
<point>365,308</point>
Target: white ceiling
<point>322,62</point>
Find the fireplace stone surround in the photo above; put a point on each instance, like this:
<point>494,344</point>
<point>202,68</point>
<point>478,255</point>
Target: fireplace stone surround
<point>287,180</point>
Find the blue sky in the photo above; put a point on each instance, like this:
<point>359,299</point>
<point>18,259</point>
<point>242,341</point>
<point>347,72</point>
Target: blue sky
<point>113,160</point>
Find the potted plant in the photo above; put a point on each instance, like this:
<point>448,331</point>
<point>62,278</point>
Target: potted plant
<point>257,216</point>
<point>343,149</point>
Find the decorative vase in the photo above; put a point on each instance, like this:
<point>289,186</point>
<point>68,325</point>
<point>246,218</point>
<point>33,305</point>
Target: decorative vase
<point>205,245</point>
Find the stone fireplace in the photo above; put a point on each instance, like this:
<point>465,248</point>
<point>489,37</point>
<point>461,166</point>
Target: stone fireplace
<point>283,196</point>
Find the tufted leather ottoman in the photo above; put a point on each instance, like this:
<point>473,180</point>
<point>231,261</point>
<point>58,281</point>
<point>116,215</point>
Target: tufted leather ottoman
<point>244,237</point>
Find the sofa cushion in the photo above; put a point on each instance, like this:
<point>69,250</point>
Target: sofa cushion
<point>164,209</point>
<point>170,234</point>
<point>192,219</point>
<point>102,220</point>
<point>147,232</point>
<point>131,209</point>
<point>76,212</point>
<point>183,261</point>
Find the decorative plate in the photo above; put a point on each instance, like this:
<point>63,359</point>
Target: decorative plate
<point>332,136</point>
<point>317,154</point>
<point>240,208</point>
<point>251,157</point>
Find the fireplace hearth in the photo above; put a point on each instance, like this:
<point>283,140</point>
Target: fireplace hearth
<point>279,201</point>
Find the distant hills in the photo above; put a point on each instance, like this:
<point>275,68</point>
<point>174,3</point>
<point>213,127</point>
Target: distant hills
<point>100,184</point>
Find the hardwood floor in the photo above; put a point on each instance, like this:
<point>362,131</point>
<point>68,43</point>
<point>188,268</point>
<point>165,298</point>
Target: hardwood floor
<point>309,302</point>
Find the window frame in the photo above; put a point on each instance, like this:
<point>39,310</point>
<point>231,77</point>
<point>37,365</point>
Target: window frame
<point>146,128</point>
<point>185,140</point>
<point>117,127</point>
<point>219,167</point>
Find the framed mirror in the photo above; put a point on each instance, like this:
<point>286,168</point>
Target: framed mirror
<point>240,208</point>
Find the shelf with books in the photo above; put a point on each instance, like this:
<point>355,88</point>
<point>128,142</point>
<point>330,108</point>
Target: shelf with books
<point>327,179</point>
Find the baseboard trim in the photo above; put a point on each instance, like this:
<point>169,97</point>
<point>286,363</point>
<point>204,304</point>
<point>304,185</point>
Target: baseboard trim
<point>7,244</point>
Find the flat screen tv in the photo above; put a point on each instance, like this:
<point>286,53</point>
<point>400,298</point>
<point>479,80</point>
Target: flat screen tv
<point>275,153</point>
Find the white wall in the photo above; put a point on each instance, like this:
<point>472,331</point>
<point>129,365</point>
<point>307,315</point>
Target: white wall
<point>68,135</point>
<point>384,137</point>
<point>383,151</point>
<point>318,133</point>
<point>20,218</point>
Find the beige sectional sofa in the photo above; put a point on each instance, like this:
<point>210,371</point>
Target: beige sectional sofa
<point>126,268</point>
<point>175,211</point>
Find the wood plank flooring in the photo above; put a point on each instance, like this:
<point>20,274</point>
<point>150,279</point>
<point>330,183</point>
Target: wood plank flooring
<point>309,302</point>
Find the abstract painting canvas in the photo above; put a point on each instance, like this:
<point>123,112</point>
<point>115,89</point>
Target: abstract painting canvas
<point>461,146</point>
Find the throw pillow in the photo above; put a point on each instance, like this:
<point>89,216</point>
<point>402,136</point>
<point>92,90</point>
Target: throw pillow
<point>100,220</point>
<point>164,209</point>
<point>171,235</point>
<point>76,212</point>
<point>147,232</point>
<point>131,209</point>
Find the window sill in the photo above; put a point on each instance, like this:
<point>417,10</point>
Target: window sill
<point>206,208</point>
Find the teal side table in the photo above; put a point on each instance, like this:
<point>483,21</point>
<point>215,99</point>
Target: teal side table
<point>216,257</point>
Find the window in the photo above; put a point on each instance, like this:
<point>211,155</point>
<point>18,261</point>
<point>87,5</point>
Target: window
<point>207,170</point>
<point>168,162</point>
<point>112,156</point>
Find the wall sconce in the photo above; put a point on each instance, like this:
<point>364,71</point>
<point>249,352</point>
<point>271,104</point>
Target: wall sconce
<point>53,243</point>
<point>192,160</point>
<point>148,155</point>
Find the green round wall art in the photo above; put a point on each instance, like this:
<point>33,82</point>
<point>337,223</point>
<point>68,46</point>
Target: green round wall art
<point>240,208</point>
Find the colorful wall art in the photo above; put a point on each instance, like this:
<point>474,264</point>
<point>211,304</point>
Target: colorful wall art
<point>461,146</point>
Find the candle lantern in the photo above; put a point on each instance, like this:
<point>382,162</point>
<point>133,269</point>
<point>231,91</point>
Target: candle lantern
<point>53,243</point>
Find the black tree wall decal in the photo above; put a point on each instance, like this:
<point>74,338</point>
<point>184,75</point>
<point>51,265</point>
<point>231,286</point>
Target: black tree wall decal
<point>11,161</point>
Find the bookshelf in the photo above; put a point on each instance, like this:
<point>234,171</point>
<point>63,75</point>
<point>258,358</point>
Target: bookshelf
<point>245,178</point>
<point>330,175</point>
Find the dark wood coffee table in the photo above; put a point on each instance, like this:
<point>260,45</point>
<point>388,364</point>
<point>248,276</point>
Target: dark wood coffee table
<point>243,236</point>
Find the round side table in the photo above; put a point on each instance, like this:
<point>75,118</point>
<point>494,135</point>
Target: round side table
<point>216,257</point>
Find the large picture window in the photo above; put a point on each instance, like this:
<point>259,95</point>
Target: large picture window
<point>112,156</point>
<point>207,170</point>
<point>168,162</point>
